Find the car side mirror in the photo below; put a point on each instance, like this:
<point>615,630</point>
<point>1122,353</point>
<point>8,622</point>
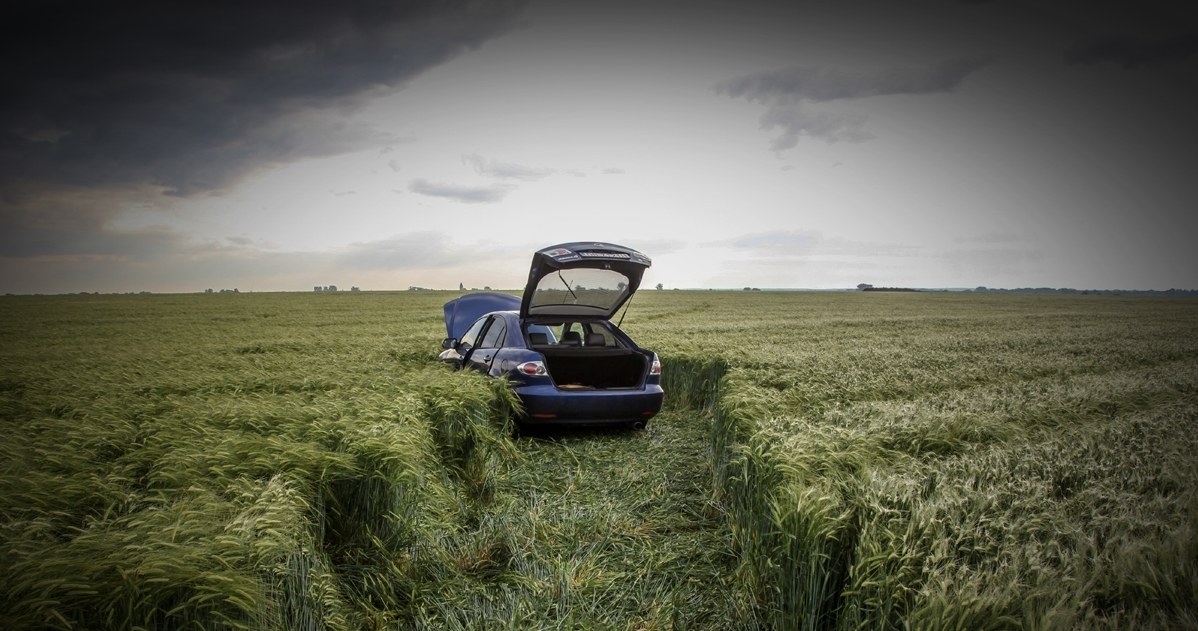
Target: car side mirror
<point>449,343</point>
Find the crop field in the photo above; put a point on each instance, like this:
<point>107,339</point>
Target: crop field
<point>825,461</point>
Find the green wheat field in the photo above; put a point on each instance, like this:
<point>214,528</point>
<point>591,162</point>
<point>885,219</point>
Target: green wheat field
<point>825,460</point>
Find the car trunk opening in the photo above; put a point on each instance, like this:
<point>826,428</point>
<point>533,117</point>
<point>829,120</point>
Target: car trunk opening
<point>595,368</point>
<point>582,279</point>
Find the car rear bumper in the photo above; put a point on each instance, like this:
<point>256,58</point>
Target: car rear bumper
<point>548,404</point>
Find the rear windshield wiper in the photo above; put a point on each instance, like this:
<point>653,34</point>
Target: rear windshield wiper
<point>559,275</point>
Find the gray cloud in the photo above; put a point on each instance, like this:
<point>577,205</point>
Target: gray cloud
<point>796,121</point>
<point>1006,264</point>
<point>75,223</point>
<point>505,170</point>
<point>240,241</point>
<point>70,254</point>
<point>190,96</point>
<point>430,250</point>
<point>464,194</point>
<point>413,250</point>
<point>777,242</point>
<point>805,243</point>
<point>818,85</point>
<point>790,92</point>
<point>990,238</point>
<point>652,247</point>
<point>1133,52</point>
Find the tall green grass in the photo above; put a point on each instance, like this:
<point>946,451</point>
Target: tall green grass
<point>956,461</point>
<point>826,460</point>
<point>177,462</point>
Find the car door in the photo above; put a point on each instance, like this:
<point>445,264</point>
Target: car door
<point>483,353</point>
<point>459,354</point>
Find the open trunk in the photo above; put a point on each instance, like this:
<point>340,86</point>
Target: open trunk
<point>597,368</point>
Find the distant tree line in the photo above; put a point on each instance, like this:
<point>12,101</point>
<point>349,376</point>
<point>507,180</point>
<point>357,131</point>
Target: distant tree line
<point>868,287</point>
<point>1051,290</point>
<point>1098,292</point>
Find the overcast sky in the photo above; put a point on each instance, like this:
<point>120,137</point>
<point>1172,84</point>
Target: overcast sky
<point>279,145</point>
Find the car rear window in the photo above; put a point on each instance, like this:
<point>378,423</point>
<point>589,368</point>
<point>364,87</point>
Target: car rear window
<point>581,286</point>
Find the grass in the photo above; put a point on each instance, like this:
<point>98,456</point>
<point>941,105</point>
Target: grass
<point>826,460</point>
<point>176,462</point>
<point>955,461</point>
<point>595,529</point>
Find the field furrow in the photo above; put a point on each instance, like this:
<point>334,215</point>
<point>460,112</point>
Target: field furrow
<point>598,529</point>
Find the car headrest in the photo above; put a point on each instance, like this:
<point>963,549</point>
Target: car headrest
<point>596,339</point>
<point>538,339</point>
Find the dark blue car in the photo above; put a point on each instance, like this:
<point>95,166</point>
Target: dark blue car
<point>557,345</point>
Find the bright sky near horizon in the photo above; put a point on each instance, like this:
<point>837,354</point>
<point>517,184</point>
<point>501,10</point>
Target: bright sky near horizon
<point>284,145</point>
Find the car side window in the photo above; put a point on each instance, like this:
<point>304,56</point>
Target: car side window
<point>471,336</point>
<point>495,334</point>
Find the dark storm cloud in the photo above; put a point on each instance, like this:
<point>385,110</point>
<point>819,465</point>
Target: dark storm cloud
<point>1133,52</point>
<point>464,194</point>
<point>189,96</point>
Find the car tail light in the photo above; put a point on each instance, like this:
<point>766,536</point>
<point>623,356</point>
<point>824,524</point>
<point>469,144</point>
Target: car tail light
<point>655,368</point>
<point>532,368</point>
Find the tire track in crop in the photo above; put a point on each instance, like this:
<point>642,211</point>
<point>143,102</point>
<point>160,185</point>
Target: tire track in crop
<point>610,529</point>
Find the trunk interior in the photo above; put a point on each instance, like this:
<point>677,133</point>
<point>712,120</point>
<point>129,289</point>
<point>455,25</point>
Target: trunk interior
<point>595,368</point>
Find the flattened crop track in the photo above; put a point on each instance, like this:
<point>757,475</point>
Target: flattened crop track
<point>610,529</point>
